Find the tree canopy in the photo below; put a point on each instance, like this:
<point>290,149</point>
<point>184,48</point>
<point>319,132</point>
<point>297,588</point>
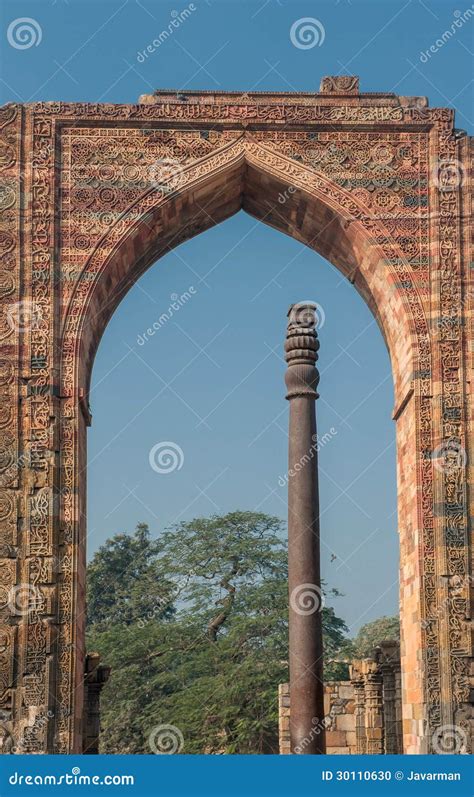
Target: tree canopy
<point>371,634</point>
<point>195,626</point>
<point>125,581</point>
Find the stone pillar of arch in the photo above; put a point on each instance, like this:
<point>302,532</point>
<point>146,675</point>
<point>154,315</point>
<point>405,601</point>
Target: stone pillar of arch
<point>357,680</point>
<point>387,655</point>
<point>380,186</point>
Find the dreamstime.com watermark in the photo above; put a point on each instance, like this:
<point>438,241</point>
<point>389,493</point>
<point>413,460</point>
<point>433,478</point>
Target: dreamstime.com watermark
<point>166,457</point>
<point>165,174</point>
<point>460,18</point>
<point>318,444</point>
<point>303,314</point>
<point>449,740</point>
<point>12,746</point>
<point>307,599</point>
<point>307,32</point>
<point>318,727</point>
<point>457,586</point>
<point>23,33</point>
<point>448,174</point>
<point>21,600</point>
<point>74,778</point>
<point>285,195</point>
<point>177,19</point>
<point>23,316</point>
<point>166,740</point>
<point>449,457</point>
<point>160,604</point>
<point>177,302</point>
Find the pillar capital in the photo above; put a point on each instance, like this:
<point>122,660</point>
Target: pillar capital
<point>301,351</point>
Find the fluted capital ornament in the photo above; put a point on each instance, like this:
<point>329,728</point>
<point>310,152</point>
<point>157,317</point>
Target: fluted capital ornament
<point>301,352</point>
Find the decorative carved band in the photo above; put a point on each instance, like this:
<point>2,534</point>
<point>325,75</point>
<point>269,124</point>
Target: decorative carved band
<point>368,161</point>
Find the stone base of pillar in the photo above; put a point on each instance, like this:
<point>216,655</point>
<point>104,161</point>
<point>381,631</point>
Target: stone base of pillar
<point>339,718</point>
<point>363,715</point>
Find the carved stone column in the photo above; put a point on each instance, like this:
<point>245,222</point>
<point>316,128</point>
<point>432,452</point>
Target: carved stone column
<point>374,719</point>
<point>95,677</point>
<point>399,709</point>
<point>305,631</point>
<point>388,659</point>
<point>358,683</point>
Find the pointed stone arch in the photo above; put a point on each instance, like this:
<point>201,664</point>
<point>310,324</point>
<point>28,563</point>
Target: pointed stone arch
<point>378,184</point>
<point>254,178</point>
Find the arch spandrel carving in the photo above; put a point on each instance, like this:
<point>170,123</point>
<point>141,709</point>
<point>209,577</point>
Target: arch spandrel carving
<point>365,197</point>
<point>366,234</point>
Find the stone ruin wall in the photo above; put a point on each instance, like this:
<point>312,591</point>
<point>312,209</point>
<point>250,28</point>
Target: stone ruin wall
<point>363,715</point>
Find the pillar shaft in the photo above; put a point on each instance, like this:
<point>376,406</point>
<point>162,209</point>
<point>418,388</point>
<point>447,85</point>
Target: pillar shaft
<point>305,625</point>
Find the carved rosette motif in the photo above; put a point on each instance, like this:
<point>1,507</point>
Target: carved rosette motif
<point>119,163</point>
<point>385,172</point>
<point>10,310</point>
<point>452,561</point>
<point>107,171</point>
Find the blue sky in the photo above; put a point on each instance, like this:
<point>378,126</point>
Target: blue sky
<point>211,379</point>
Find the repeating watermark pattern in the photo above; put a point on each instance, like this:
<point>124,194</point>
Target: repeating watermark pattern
<point>177,19</point>
<point>318,727</point>
<point>166,740</point>
<point>456,589</point>
<point>161,603</point>
<point>449,456</point>
<point>32,457</point>
<point>165,174</point>
<point>41,721</point>
<point>448,175</point>
<point>449,740</point>
<point>21,599</point>
<point>166,457</point>
<point>307,32</point>
<point>24,33</point>
<point>23,316</point>
<point>286,194</point>
<point>460,18</point>
<point>307,599</point>
<point>177,302</point>
<point>318,444</point>
<point>302,314</point>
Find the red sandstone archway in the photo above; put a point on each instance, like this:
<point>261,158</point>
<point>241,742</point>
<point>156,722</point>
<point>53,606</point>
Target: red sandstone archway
<point>246,175</point>
<point>355,172</point>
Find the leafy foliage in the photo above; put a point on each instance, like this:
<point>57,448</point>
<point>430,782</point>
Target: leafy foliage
<point>212,665</point>
<point>125,581</point>
<point>371,634</point>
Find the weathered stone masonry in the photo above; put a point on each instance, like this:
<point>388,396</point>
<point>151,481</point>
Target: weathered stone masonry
<point>361,716</point>
<point>376,183</point>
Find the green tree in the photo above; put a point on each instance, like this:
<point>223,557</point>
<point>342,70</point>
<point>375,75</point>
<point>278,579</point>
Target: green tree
<point>125,581</point>
<point>213,668</point>
<point>372,634</point>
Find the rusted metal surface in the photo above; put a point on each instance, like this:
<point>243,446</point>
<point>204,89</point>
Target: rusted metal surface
<point>307,730</point>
